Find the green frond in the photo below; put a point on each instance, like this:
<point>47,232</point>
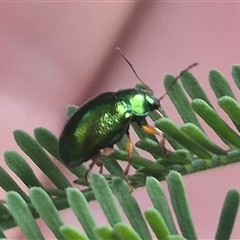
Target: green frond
<point>192,151</point>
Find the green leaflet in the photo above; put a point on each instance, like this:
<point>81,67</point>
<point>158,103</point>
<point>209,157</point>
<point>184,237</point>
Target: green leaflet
<point>228,215</point>
<point>192,151</point>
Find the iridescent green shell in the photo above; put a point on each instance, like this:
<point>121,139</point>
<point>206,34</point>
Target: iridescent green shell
<point>102,122</point>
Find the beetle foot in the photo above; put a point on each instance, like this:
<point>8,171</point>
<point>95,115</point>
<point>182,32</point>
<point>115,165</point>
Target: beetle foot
<point>106,151</point>
<point>128,182</point>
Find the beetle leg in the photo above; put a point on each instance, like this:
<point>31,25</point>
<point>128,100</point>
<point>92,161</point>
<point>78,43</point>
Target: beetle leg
<point>100,165</point>
<point>151,130</point>
<point>129,148</point>
<point>162,143</point>
<point>155,131</point>
<point>159,112</point>
<point>91,165</point>
<point>106,151</point>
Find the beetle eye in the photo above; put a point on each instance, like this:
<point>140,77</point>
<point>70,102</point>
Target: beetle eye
<point>153,102</point>
<point>150,100</point>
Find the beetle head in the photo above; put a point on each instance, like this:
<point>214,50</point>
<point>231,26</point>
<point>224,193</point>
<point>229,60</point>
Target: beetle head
<point>149,92</point>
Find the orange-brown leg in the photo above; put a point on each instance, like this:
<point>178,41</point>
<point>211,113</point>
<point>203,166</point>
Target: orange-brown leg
<point>107,151</point>
<point>155,131</point>
<point>104,152</point>
<point>151,130</point>
<point>100,165</point>
<point>90,167</point>
<point>129,148</point>
<point>162,143</point>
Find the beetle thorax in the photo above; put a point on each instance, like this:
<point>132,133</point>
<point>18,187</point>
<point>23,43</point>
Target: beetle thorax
<point>137,104</point>
<point>140,102</point>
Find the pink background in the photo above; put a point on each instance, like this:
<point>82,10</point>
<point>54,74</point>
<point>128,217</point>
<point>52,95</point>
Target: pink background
<point>53,54</point>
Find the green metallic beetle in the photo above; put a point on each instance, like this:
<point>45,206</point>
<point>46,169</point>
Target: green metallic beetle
<point>100,123</point>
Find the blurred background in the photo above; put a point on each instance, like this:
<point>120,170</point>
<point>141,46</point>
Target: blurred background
<point>57,53</point>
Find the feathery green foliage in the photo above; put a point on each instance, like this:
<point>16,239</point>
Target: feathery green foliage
<point>192,151</point>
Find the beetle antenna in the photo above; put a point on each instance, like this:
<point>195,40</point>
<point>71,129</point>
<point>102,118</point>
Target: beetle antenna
<point>176,78</point>
<point>171,85</point>
<point>131,66</point>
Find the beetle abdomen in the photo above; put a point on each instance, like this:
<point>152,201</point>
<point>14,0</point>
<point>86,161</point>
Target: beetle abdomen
<point>98,124</point>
